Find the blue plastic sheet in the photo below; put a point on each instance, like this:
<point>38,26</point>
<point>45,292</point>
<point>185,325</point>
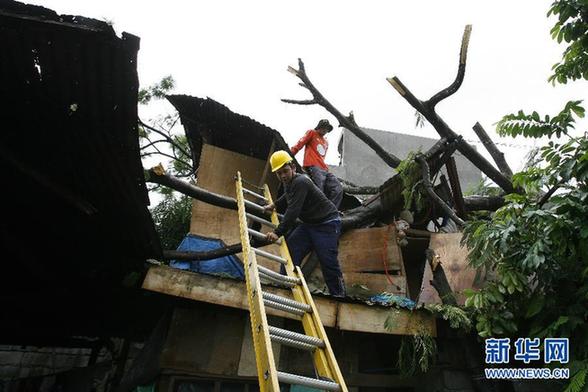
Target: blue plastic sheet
<point>388,299</point>
<point>225,266</point>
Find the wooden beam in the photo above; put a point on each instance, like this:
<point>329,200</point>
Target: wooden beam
<point>334,314</point>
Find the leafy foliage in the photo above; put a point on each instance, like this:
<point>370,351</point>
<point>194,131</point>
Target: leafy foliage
<point>532,125</point>
<point>172,219</point>
<point>410,173</point>
<point>537,245</point>
<point>457,317</point>
<point>571,27</point>
<point>157,90</point>
<point>416,355</point>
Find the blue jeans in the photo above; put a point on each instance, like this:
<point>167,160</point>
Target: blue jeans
<point>323,238</point>
<point>327,183</point>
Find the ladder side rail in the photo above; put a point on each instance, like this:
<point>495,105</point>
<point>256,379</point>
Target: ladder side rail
<point>266,366</point>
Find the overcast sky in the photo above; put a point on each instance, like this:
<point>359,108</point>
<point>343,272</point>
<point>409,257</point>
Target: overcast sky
<point>237,53</point>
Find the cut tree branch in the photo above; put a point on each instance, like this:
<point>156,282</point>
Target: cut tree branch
<point>427,109</point>
<point>463,54</point>
<point>483,203</point>
<point>157,175</point>
<point>202,256</point>
<point>345,121</point>
<point>440,282</point>
<point>431,192</point>
<point>495,153</point>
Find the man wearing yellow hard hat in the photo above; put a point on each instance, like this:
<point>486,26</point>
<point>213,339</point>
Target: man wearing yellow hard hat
<point>321,224</point>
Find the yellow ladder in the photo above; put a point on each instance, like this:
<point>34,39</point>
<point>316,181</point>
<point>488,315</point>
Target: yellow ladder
<point>314,338</point>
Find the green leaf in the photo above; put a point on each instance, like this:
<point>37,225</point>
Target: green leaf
<point>535,305</point>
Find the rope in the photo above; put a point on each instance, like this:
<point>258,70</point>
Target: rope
<point>384,256</point>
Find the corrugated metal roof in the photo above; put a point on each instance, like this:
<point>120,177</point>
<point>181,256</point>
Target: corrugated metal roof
<point>74,193</point>
<point>207,121</point>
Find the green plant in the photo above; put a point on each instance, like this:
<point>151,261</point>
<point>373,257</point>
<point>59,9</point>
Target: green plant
<point>457,317</point>
<point>416,355</point>
<point>172,219</point>
<point>410,173</point>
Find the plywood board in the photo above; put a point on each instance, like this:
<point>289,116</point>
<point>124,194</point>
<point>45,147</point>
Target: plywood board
<point>366,250</point>
<point>372,319</point>
<point>454,260</point>
<point>216,173</point>
<point>231,293</point>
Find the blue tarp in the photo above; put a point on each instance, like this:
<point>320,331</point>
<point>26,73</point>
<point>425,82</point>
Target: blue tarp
<point>388,299</point>
<point>226,266</point>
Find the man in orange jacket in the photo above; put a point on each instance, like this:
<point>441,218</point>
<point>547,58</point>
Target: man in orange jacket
<point>315,149</point>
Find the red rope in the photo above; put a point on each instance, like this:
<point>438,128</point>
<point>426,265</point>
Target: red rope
<point>385,254</point>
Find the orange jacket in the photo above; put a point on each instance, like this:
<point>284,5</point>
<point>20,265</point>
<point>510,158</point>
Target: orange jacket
<point>315,151</point>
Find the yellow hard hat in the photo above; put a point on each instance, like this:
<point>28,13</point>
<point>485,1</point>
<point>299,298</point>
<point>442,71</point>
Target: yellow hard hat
<point>279,159</point>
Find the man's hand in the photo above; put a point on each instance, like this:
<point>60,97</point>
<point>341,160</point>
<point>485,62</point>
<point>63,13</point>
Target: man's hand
<point>271,236</point>
<point>269,207</point>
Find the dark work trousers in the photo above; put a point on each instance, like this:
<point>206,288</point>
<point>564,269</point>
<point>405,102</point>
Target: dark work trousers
<point>323,238</point>
<point>327,183</point>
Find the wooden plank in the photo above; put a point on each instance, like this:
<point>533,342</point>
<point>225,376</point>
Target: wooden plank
<point>376,283</point>
<point>362,250</point>
<point>355,317</point>
<point>454,260</point>
<point>231,293</point>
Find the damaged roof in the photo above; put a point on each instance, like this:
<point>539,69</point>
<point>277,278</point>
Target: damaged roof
<point>75,218</point>
<point>208,121</point>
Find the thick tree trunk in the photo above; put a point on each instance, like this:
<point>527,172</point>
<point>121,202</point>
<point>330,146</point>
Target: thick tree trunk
<point>440,282</point>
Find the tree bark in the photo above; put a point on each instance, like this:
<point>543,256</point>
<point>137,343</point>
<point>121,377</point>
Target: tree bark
<point>202,256</point>
<point>479,203</point>
<point>429,188</point>
<point>440,282</point>
<point>495,153</point>
<point>427,109</point>
<point>345,121</point>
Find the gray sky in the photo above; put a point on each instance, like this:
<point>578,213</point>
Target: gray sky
<point>237,52</point>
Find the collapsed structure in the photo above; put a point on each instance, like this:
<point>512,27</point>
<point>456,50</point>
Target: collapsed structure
<point>76,172</point>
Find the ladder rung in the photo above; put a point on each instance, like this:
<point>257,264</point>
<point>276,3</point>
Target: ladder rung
<point>244,181</point>
<point>260,220</point>
<point>292,343</point>
<point>287,302</point>
<point>270,256</point>
<point>284,308</point>
<point>302,338</point>
<point>278,281</point>
<point>289,378</point>
<point>278,276</point>
<point>261,236</point>
<point>262,197</point>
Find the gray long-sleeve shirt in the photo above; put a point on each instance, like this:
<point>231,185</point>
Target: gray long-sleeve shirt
<point>305,201</point>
